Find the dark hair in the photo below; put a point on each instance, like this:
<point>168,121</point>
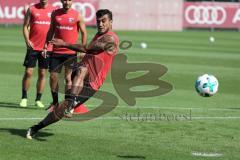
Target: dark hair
<point>102,12</point>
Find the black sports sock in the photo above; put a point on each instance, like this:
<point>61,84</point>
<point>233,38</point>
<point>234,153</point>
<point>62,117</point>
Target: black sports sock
<point>52,117</point>
<point>38,126</point>
<point>55,97</point>
<point>67,94</point>
<point>49,119</point>
<point>38,97</point>
<point>24,93</point>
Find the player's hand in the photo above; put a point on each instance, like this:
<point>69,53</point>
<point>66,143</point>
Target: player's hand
<point>29,44</point>
<point>81,55</point>
<point>44,52</point>
<point>58,42</point>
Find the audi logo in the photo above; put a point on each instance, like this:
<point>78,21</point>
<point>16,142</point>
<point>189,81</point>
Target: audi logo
<point>86,9</point>
<point>205,15</point>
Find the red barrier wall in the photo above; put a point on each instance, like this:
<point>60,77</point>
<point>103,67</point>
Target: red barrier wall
<point>211,15</point>
<point>12,11</point>
<point>164,15</point>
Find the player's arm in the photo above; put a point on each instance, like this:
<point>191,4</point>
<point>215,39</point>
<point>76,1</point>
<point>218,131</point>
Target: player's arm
<point>50,33</point>
<point>26,25</point>
<point>49,37</point>
<point>83,30</point>
<point>106,43</point>
<point>75,47</point>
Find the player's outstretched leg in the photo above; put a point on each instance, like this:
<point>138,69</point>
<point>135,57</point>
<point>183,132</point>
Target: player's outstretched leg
<point>63,108</point>
<point>54,116</point>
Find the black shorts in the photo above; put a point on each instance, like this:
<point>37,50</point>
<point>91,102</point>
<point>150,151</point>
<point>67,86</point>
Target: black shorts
<point>31,58</point>
<point>58,60</point>
<point>86,93</point>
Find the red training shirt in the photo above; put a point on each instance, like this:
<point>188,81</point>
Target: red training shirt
<point>66,28</point>
<point>39,25</point>
<point>99,64</point>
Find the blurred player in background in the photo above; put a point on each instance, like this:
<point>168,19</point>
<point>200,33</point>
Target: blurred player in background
<point>65,24</point>
<point>37,18</point>
<point>91,71</point>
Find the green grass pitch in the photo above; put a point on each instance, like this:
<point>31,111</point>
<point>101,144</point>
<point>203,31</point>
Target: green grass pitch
<point>209,128</point>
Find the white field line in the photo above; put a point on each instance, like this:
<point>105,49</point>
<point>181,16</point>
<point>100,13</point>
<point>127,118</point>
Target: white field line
<point>202,154</point>
<point>126,118</point>
<point>174,108</point>
<point>168,108</point>
<point>151,119</point>
<point>19,118</point>
<point>226,117</point>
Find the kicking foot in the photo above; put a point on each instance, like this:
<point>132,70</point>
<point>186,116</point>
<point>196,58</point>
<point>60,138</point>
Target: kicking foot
<point>31,133</point>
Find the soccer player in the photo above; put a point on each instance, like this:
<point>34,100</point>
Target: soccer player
<point>92,70</point>
<point>37,18</point>
<point>65,24</point>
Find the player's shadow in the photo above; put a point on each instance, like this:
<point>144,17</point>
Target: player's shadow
<point>131,157</point>
<point>22,133</point>
<point>14,105</point>
<point>235,108</point>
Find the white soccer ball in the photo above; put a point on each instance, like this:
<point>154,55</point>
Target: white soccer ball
<point>143,45</point>
<point>211,39</point>
<point>206,85</point>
